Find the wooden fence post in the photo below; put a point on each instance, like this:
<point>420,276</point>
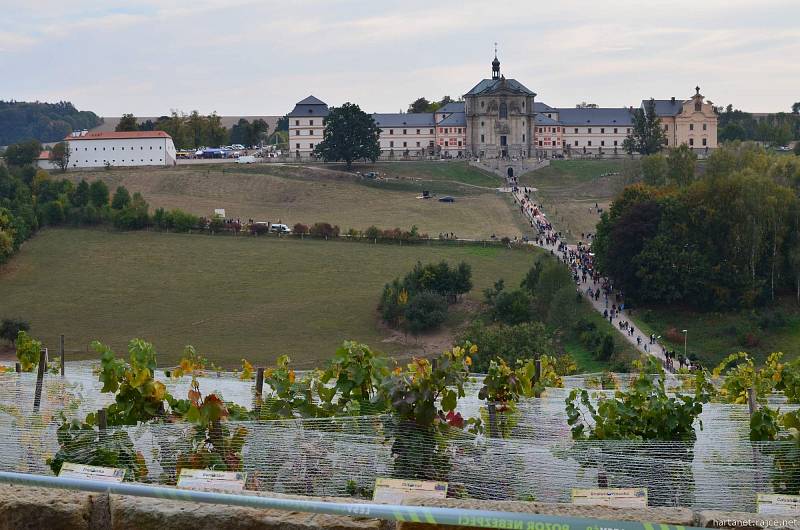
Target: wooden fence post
<point>62,356</point>
<point>18,367</point>
<point>37,397</point>
<point>259,381</point>
<point>538,374</point>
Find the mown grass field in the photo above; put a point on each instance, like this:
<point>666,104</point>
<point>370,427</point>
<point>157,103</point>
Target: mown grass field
<point>308,194</point>
<point>713,335</point>
<point>569,190</point>
<point>230,297</point>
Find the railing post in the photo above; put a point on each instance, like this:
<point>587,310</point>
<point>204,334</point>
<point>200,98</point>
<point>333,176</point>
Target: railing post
<point>752,404</point>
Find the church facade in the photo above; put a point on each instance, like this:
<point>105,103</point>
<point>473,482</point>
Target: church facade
<point>499,118</point>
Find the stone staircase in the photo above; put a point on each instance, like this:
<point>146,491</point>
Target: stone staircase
<point>500,166</point>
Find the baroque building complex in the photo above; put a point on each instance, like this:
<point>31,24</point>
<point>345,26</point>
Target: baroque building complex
<point>499,118</point>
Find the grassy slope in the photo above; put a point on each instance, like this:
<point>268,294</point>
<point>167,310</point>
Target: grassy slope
<point>230,297</point>
<point>307,195</point>
<point>712,336</point>
<point>568,189</point>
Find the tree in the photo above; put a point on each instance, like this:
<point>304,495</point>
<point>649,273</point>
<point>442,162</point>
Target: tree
<point>127,122</point>
<point>681,162</point>
<point>424,312</point>
<point>59,156</point>
<point>350,134</point>
<point>584,105</point>
<point>23,153</point>
<point>80,197</point>
<point>10,328</point>
<point>654,169</point>
<point>796,107</point>
<point>647,134</point>
<point>121,198</point>
<point>98,194</point>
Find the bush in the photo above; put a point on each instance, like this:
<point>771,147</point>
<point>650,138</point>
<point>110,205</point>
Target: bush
<point>425,312</point>
<point>299,229</point>
<point>324,230</point>
<point>181,221</point>
<point>373,232</point>
<point>10,328</point>
<point>510,343</point>
<point>121,198</point>
<point>512,307</point>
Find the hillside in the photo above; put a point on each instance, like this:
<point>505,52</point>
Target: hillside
<point>46,122</point>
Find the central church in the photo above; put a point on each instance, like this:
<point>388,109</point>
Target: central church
<point>498,118</point>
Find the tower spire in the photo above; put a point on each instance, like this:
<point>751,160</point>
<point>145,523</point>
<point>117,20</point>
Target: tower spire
<point>495,64</point>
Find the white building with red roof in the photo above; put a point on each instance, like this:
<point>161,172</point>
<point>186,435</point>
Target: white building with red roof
<point>130,148</point>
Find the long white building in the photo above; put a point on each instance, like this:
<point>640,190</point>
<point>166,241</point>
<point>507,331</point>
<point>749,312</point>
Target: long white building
<point>132,148</point>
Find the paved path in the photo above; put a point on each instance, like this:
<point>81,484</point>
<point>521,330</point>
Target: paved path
<point>532,216</point>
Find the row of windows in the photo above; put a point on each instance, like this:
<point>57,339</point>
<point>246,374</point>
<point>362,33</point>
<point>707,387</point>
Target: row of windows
<point>589,143</point>
<point>446,130</point>
<point>141,148</point>
<point>405,144</point>
<point>691,126</point>
<point>523,123</point>
<point>297,122</point>
<point>76,162</point>
<point>405,131</point>
<point>602,130</point>
<point>503,139</point>
<point>310,146</point>
<point>297,132</point>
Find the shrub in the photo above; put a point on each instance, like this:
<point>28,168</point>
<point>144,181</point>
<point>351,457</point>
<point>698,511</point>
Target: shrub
<point>673,335</point>
<point>425,312</point>
<point>324,230</point>
<point>28,351</point>
<point>509,343</point>
<point>10,328</point>
<point>299,229</point>
<point>122,198</point>
<point>373,232</point>
<point>181,221</point>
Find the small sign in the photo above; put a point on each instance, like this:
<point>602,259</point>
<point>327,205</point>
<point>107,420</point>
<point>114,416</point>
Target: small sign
<point>207,480</point>
<point>86,472</point>
<point>612,497</point>
<point>219,212</point>
<point>395,491</point>
<point>772,504</point>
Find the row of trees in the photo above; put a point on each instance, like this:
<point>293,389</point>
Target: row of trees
<point>777,129</point>
<point>195,130</point>
<point>728,238</point>
<point>423,105</point>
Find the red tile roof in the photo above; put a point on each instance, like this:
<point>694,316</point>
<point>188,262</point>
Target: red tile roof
<point>44,155</point>
<point>118,135</point>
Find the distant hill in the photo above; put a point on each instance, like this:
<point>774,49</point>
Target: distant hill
<point>46,122</point>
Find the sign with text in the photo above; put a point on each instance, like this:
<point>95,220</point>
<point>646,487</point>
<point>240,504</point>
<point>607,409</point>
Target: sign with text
<point>772,504</point>
<point>86,472</point>
<point>612,497</point>
<point>207,480</point>
<point>395,491</point>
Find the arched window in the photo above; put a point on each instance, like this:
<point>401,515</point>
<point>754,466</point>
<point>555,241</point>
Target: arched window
<point>698,106</point>
<point>503,111</point>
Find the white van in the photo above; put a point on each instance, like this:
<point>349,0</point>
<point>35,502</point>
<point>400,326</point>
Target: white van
<point>280,229</point>
<point>246,159</point>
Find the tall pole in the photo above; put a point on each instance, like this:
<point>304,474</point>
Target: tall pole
<point>685,341</point>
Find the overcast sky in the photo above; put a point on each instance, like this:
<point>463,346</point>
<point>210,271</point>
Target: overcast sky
<point>241,57</point>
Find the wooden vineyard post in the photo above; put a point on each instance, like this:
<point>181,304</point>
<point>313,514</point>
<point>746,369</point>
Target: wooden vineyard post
<point>492,410</point>
<point>259,389</point>
<point>751,400</point>
<point>18,367</point>
<point>62,356</point>
<point>37,397</point>
<point>538,374</point>
<point>102,423</point>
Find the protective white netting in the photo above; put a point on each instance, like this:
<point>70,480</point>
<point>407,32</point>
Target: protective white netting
<point>337,456</point>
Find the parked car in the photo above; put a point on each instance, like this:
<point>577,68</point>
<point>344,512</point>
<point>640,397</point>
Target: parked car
<point>279,228</point>
<point>447,198</point>
<point>239,147</point>
<point>248,159</point>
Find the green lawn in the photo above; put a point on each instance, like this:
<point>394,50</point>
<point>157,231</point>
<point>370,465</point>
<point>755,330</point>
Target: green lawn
<point>569,190</point>
<point>231,297</point>
<point>712,336</point>
<point>307,194</point>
